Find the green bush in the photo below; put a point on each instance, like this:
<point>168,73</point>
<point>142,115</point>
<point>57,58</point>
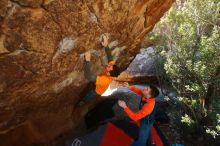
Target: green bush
<point>188,36</point>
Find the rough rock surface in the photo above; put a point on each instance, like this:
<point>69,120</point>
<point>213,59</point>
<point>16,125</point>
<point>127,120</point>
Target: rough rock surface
<point>145,63</point>
<point>41,42</point>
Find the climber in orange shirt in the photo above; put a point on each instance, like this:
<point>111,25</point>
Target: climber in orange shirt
<point>146,114</point>
<point>103,80</point>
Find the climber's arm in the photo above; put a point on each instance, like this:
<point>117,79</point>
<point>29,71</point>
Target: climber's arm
<point>105,44</point>
<point>108,54</point>
<point>87,68</point>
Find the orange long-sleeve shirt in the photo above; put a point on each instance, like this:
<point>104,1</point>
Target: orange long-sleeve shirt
<point>102,83</point>
<point>145,110</point>
<point>103,80</point>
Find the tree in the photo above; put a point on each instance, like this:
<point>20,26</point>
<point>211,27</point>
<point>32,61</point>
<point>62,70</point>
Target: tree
<point>188,36</point>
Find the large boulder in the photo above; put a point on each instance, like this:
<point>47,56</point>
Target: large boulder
<point>41,47</point>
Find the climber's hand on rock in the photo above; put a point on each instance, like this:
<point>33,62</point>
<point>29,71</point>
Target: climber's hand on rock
<point>122,104</point>
<point>104,41</point>
<point>87,56</point>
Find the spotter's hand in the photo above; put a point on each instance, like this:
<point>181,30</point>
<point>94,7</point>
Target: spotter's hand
<point>122,104</point>
<point>125,84</point>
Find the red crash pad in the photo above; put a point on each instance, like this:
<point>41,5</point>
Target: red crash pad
<point>115,137</point>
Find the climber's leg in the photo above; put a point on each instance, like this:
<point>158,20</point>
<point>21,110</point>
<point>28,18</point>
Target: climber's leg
<point>89,95</point>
